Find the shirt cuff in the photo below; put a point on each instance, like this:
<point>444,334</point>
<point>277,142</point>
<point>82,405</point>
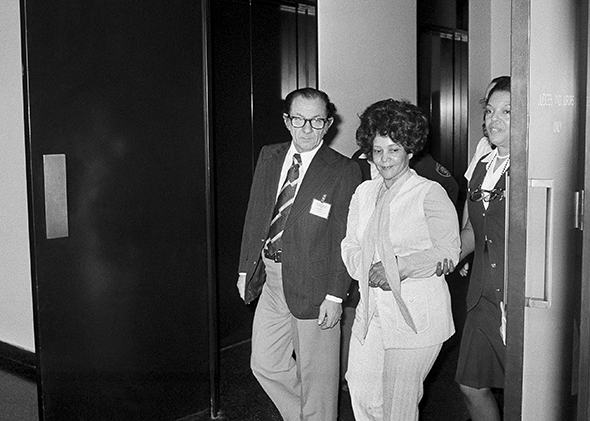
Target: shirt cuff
<point>333,298</point>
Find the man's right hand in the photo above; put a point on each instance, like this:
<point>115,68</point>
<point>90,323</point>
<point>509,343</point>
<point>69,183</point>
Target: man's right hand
<point>241,285</point>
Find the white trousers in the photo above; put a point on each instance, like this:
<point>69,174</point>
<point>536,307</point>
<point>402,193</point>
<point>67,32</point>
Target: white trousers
<point>387,384</point>
<point>303,388</point>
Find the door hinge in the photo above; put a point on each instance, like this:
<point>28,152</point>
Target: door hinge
<point>579,210</point>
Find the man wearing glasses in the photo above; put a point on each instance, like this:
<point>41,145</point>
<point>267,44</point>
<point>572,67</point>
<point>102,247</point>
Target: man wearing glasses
<point>290,260</point>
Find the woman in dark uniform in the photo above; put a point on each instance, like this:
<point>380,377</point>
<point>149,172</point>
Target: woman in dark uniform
<point>481,360</point>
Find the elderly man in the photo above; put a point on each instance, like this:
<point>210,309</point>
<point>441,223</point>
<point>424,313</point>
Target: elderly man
<point>290,258</point>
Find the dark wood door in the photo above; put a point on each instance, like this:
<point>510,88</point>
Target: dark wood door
<point>118,190</point>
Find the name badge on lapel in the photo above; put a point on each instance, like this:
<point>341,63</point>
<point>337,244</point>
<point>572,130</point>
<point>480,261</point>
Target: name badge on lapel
<point>320,208</point>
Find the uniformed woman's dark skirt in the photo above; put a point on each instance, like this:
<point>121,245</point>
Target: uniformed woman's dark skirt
<point>481,358</point>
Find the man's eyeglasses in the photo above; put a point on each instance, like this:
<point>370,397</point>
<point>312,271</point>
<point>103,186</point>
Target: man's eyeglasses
<point>480,194</point>
<point>316,123</point>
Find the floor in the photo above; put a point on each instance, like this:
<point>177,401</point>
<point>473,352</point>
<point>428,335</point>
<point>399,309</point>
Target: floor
<point>242,399</point>
<point>18,398</point>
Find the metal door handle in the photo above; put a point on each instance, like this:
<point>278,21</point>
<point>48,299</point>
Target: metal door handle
<point>540,243</point>
<point>56,196</point>
<point>579,210</point>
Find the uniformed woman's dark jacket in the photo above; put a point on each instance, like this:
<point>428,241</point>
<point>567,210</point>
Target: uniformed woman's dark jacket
<point>489,229</point>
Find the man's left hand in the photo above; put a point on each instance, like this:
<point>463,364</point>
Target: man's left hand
<point>330,313</point>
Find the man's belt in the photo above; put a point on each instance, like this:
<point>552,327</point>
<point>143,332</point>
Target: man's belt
<point>276,256</point>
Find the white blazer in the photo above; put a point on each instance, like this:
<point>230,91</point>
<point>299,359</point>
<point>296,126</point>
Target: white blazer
<point>424,230</point>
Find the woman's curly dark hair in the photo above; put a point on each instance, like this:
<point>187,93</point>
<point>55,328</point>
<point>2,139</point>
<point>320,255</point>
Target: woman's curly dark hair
<point>402,121</point>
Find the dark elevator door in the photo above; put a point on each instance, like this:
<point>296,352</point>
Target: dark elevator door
<point>116,145</point>
<point>442,94</point>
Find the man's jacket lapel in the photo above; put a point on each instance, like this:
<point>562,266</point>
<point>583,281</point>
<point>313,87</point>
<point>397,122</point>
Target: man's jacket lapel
<point>318,174</point>
<point>275,165</point>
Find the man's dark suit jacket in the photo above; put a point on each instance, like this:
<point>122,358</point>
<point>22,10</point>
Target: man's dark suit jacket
<point>311,261</point>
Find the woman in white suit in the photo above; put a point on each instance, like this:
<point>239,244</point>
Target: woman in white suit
<point>399,226</point>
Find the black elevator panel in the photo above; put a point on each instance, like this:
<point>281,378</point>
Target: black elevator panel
<point>261,50</point>
<point>121,302</point>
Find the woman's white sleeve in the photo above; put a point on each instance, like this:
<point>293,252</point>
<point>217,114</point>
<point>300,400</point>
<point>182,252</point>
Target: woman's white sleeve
<point>443,228</point>
<point>351,246</point>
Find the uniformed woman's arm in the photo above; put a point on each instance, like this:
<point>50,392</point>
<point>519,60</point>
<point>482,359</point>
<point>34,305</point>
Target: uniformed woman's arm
<point>467,235</point>
<point>443,229</point>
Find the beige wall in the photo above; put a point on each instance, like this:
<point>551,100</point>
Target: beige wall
<point>367,52</point>
<point>16,308</point>
<point>489,55</point>
<point>500,47</point>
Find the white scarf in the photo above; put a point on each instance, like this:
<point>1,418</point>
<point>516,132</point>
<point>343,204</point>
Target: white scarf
<point>376,239</point>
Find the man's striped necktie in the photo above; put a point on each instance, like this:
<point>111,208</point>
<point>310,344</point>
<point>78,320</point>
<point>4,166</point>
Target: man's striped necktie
<point>283,207</point>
